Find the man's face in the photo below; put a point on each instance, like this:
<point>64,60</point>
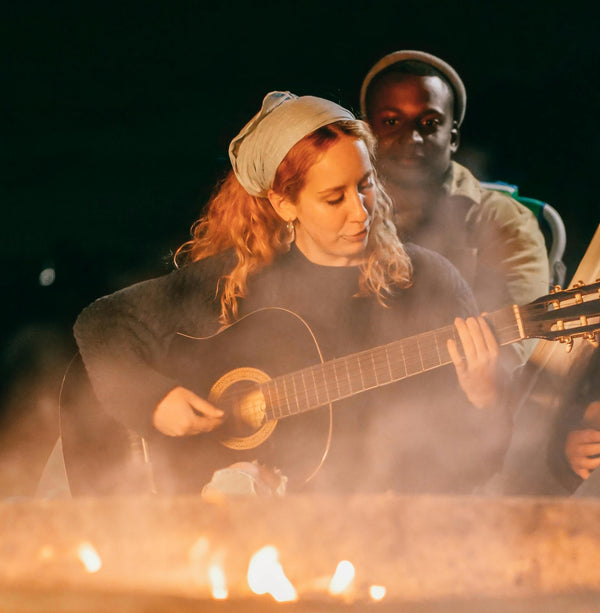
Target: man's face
<point>412,118</point>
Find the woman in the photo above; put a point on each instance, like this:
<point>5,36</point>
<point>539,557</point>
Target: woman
<point>300,227</point>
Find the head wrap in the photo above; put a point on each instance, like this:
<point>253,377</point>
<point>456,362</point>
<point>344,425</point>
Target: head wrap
<point>283,120</point>
<point>460,93</point>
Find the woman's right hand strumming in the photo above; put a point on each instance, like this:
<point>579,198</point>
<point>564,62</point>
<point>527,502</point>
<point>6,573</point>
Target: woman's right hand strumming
<point>183,413</point>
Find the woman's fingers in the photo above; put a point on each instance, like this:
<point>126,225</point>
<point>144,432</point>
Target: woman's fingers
<point>491,343</point>
<point>476,366</point>
<point>466,340</point>
<point>589,463</point>
<point>582,472</point>
<point>477,339</point>
<point>204,407</point>
<point>183,413</point>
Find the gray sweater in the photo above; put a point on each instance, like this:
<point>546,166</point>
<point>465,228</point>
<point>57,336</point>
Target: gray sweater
<point>417,435</point>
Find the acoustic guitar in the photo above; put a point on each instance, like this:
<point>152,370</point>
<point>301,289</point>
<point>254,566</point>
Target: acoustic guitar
<point>260,380</point>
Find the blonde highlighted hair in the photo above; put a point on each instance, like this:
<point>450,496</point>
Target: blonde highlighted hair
<point>250,226</point>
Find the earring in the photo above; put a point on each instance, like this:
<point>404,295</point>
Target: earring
<point>291,230</point>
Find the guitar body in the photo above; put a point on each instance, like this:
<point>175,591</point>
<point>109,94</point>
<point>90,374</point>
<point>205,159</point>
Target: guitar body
<point>103,457</point>
<point>259,347</point>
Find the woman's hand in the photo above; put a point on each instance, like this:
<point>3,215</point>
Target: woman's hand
<point>580,449</point>
<point>183,413</point>
<point>478,370</point>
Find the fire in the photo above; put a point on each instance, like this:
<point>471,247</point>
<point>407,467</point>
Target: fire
<point>377,592</point>
<point>89,557</point>
<point>266,576</point>
<point>342,578</point>
<point>201,558</point>
<point>217,582</point>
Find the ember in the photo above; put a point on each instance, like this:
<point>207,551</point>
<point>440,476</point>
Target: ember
<point>266,576</point>
<point>217,580</point>
<point>342,578</point>
<point>402,550</point>
<point>377,592</point>
<point>89,557</point>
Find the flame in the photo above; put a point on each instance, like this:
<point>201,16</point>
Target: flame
<point>266,576</point>
<point>217,582</point>
<point>89,557</point>
<point>377,592</point>
<point>201,558</point>
<point>342,578</point>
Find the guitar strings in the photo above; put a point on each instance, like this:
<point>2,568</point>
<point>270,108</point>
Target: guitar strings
<point>290,394</point>
<point>320,384</point>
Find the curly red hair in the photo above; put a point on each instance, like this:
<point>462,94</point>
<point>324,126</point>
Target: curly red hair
<point>250,226</point>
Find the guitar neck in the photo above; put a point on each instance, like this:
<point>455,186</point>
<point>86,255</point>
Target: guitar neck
<point>321,384</point>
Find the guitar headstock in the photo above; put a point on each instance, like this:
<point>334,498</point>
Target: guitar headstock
<point>564,314</point>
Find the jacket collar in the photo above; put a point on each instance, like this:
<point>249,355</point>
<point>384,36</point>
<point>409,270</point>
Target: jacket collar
<point>460,182</point>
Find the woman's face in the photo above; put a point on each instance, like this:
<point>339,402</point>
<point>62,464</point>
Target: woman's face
<point>334,209</point>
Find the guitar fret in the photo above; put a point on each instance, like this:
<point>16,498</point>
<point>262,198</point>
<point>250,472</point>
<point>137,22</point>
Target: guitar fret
<point>429,358</point>
<point>418,343</point>
<point>437,348</point>
<point>412,362</point>
<point>398,362</point>
<point>360,382</point>
<point>293,396</point>
<point>331,381</point>
<point>343,387</point>
<point>346,362</point>
<point>374,366</point>
<point>446,334</point>
<point>298,387</point>
<point>277,412</point>
<point>274,397</point>
<point>323,386</point>
<point>367,374</point>
<point>382,367</point>
<point>266,392</point>
<point>387,361</point>
<point>309,403</point>
<point>286,396</point>
<point>352,384</point>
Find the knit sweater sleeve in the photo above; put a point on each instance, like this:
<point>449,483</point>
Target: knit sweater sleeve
<point>124,338</point>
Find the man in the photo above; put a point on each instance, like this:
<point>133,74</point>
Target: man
<point>415,104</point>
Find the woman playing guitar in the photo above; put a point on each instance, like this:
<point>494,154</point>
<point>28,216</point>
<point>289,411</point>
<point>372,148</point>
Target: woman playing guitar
<point>296,262</point>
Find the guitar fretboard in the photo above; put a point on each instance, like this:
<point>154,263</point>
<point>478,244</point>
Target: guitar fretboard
<point>321,384</point>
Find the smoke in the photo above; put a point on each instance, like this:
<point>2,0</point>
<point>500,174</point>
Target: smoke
<point>32,363</point>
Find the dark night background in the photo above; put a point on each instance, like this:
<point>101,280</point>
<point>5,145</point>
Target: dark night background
<point>117,118</point>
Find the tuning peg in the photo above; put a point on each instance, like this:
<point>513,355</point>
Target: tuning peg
<point>567,341</point>
<point>591,338</point>
<point>556,289</point>
<point>578,284</point>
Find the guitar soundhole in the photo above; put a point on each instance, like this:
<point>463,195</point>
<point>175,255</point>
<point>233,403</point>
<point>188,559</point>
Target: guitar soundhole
<point>244,405</point>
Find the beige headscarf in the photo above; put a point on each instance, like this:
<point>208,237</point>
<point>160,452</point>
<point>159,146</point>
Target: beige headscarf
<point>283,120</point>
